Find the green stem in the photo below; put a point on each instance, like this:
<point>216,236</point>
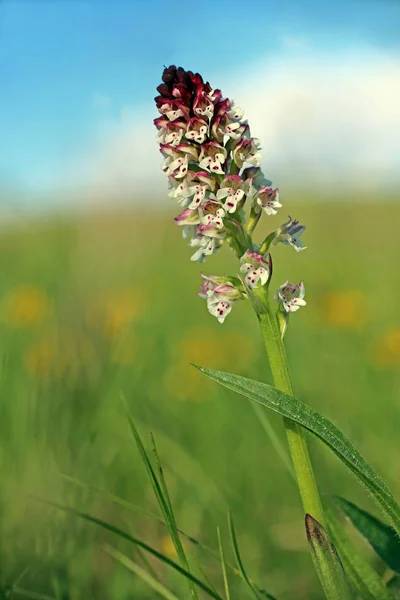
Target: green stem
<point>295,435</point>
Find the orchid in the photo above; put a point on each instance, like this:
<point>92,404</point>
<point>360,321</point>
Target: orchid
<point>268,199</point>
<point>221,294</point>
<point>291,296</point>
<point>289,233</point>
<point>213,166</point>
<point>255,267</point>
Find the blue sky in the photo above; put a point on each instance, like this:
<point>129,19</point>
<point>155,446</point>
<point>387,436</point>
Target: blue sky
<point>68,67</point>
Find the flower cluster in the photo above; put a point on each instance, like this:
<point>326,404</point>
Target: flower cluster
<point>213,167</point>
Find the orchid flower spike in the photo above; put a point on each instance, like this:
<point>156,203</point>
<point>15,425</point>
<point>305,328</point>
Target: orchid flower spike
<point>212,163</point>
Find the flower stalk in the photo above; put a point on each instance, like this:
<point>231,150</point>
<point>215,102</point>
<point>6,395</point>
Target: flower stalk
<point>295,435</point>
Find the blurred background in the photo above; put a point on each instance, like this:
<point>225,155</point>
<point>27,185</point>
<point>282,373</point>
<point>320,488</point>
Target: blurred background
<point>98,295</point>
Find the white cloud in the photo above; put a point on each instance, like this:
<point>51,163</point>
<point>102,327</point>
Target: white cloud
<point>321,120</point>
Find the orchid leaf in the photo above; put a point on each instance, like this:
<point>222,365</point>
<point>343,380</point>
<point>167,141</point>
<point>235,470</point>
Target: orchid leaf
<point>320,426</point>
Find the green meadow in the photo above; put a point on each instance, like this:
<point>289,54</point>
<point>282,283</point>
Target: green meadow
<point>104,305</point>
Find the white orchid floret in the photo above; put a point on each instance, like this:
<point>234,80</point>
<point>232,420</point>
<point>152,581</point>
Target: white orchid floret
<point>235,112</point>
<point>212,213</point>
<point>197,130</point>
<point>203,103</point>
<point>212,157</point>
<point>221,294</point>
<point>255,268</point>
<point>223,127</point>
<point>176,161</point>
<point>233,189</point>
<point>170,132</point>
<point>226,122</point>
<point>289,233</point>
<point>188,219</point>
<point>171,110</point>
<point>268,200</point>
<point>207,240</point>
<point>195,188</point>
<point>247,150</point>
<point>291,296</point>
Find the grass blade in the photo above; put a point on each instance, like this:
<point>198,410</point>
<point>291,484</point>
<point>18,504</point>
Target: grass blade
<point>326,561</point>
<point>240,563</point>
<point>33,595</point>
<point>134,540</point>
<point>140,572</point>
<point>381,537</point>
<point>163,499</point>
<point>137,509</point>
<point>304,415</point>
<point>223,566</point>
<point>364,578</point>
<point>112,497</point>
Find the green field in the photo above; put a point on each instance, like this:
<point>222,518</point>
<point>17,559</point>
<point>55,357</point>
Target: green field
<point>101,304</point>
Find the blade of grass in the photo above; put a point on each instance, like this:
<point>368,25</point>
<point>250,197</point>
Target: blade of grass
<point>33,595</point>
<point>137,509</point>
<point>206,578</point>
<point>140,572</point>
<point>146,562</point>
<point>207,489</point>
<point>223,566</point>
<point>163,500</point>
<point>136,541</point>
<point>239,561</point>
<point>168,502</point>
<point>112,497</point>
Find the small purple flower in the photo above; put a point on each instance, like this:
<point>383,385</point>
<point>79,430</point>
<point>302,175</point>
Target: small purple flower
<point>268,199</point>
<point>291,296</point>
<point>289,233</point>
<point>255,267</point>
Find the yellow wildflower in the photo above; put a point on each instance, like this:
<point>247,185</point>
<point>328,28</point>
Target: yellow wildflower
<point>345,308</point>
<point>206,347</point>
<point>60,355</point>
<point>167,546</point>
<point>25,306</point>
<point>385,352</point>
<point>114,311</point>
